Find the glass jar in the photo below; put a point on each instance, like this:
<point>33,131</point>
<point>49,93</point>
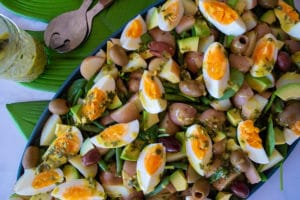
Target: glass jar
<point>22,58</point>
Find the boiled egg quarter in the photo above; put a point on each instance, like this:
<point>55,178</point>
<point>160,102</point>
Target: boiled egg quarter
<point>151,93</point>
<point>131,35</point>
<point>79,189</point>
<point>117,135</point>
<point>170,14</point>
<point>250,142</point>
<point>198,148</point>
<point>293,133</point>
<point>150,166</point>
<point>216,70</point>
<point>265,55</point>
<point>98,98</point>
<point>288,18</point>
<point>32,183</point>
<point>222,16</point>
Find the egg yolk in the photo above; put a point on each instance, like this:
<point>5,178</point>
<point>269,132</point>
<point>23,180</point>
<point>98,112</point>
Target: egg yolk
<point>151,88</point>
<point>113,134</point>
<point>67,143</point>
<point>153,160</point>
<point>296,128</point>
<point>199,143</point>
<point>216,65</point>
<point>45,179</point>
<point>290,12</point>
<point>171,12</point>
<point>264,52</point>
<point>135,29</point>
<point>94,104</point>
<point>77,192</point>
<point>250,134</point>
<point>220,12</point>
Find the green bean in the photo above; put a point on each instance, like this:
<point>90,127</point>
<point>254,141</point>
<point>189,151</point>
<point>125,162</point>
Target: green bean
<point>98,125</point>
<point>109,155</point>
<point>177,165</point>
<point>119,161</point>
<point>102,164</point>
<point>164,183</point>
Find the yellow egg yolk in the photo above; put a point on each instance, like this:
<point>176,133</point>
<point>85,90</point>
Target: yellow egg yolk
<point>113,134</point>
<point>77,192</point>
<point>220,12</point>
<point>264,52</point>
<point>153,160</point>
<point>296,128</point>
<point>216,65</point>
<point>199,143</point>
<point>250,134</point>
<point>135,29</point>
<point>171,11</point>
<point>289,11</point>
<point>151,88</point>
<point>45,179</point>
<point>67,143</point>
<point>94,104</point>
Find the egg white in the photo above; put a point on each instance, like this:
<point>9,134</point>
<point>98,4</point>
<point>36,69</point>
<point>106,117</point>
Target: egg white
<point>214,87</point>
<point>106,84</point>
<point>24,184</point>
<point>257,155</point>
<point>135,62</point>
<point>147,182</point>
<point>98,191</point>
<point>290,136</point>
<point>128,137</point>
<point>197,163</point>
<point>237,27</point>
<point>132,43</point>
<point>166,20</point>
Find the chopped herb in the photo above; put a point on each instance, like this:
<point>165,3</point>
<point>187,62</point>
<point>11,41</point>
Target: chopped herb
<point>220,173</point>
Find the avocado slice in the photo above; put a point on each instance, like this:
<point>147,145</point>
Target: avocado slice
<point>149,119</point>
<point>268,17</point>
<point>258,84</point>
<point>188,44</point>
<point>289,91</point>
<point>201,29</point>
<point>223,196</point>
<point>151,18</point>
<point>279,136</point>
<point>179,180</point>
<point>132,151</point>
<point>234,116</point>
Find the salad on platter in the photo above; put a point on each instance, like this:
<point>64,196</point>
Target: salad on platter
<point>190,100</point>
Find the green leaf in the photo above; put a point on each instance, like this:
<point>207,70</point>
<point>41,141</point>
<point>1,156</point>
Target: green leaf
<point>26,115</point>
<point>236,81</point>
<point>270,141</point>
<point>106,23</point>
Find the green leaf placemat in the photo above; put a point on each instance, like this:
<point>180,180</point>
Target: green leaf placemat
<point>26,115</point>
<point>105,24</point>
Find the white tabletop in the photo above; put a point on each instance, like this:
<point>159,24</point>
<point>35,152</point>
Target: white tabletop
<point>12,142</point>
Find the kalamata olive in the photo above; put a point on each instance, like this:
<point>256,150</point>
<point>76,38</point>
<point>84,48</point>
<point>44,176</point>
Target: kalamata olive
<point>193,88</point>
<point>161,49</point>
<point>31,157</point>
<point>241,63</point>
<point>268,3</point>
<point>240,189</point>
<point>239,44</point>
<point>242,95</point>
<point>213,119</point>
<point>262,29</point>
<point>118,55</point>
<point>134,81</point>
<point>90,66</point>
<point>239,160</point>
<point>292,45</point>
<point>290,114</point>
<point>284,61</point>
<point>193,60</point>
<point>162,36</point>
<point>171,144</point>
<point>200,189</point>
<point>182,114</point>
<point>58,106</point>
<point>91,157</point>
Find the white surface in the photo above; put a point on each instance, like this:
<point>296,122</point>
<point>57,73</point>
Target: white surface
<point>12,143</point>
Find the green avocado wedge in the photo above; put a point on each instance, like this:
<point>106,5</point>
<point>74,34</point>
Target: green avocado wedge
<point>289,92</point>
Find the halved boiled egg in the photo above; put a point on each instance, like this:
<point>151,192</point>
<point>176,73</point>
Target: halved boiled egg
<point>98,98</point>
<point>79,189</point>
<point>117,135</point>
<point>131,35</point>
<point>198,148</point>
<point>222,16</point>
<point>288,18</point>
<point>293,133</point>
<point>150,166</point>
<point>170,14</point>
<point>151,93</point>
<point>66,144</point>
<point>31,182</point>
<point>250,142</point>
<point>216,70</point>
<point>265,55</point>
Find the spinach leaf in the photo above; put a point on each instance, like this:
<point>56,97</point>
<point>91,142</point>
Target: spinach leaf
<point>236,81</point>
<point>76,88</point>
